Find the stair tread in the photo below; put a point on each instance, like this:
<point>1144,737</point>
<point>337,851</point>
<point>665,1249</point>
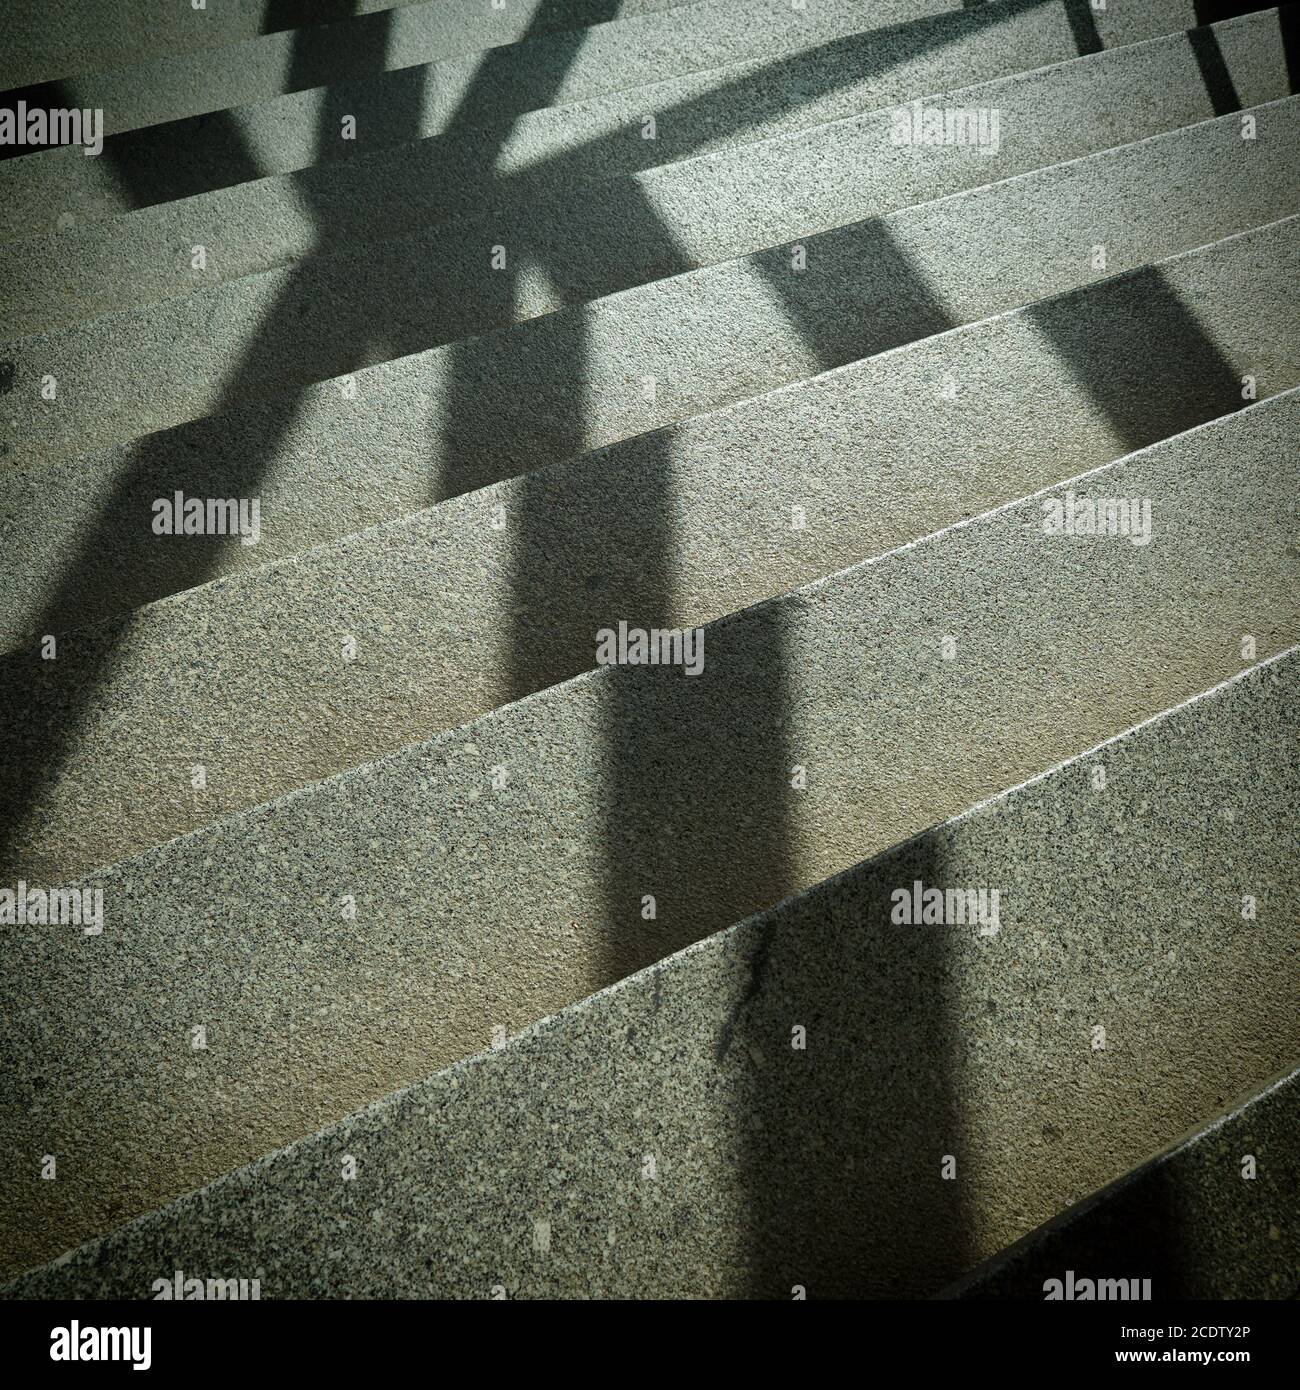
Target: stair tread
<point>958,481</point>
<point>1232,1248</point>
<point>691,1062</point>
<point>89,39</point>
<point>146,369</point>
<point>435,600</point>
<point>180,158</point>
<point>478,907</point>
<point>59,278</point>
<point>258,69</point>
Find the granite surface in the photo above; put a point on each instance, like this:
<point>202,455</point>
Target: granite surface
<point>1216,1216</point>
<point>471,89</point>
<point>909,54</point>
<point>1047,116</point>
<point>670,1137</point>
<point>234,54</point>
<point>825,1098</point>
<point>452,617</point>
<point>356,935</point>
<point>50,39</point>
<point>867,284</point>
<point>440,424</point>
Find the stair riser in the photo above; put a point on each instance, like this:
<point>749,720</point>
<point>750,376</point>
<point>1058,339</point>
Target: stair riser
<point>867,285</point>
<point>460,617</point>
<point>294,132</point>
<point>118,33</point>
<point>775,1167</point>
<point>1192,1221</point>
<point>258,67</point>
<point>1046,117</point>
<point>478,908</point>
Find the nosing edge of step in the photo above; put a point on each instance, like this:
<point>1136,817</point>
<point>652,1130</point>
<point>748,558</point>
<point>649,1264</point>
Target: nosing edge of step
<point>553,1022</point>
<point>745,614</point>
<point>349,538</point>
<point>1234,1109</point>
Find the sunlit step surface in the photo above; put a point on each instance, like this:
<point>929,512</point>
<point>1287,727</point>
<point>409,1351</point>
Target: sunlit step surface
<point>824,1098</point>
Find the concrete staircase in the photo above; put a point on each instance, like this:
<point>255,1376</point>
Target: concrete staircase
<point>544,977</point>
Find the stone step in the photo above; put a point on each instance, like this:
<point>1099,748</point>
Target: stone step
<point>1211,1218</point>
<point>964,258</point>
<point>452,616</point>
<point>356,935</point>
<point>822,1098</point>
<point>1044,117</point>
<point>801,51</point>
<point>233,60</point>
<point>49,39</point>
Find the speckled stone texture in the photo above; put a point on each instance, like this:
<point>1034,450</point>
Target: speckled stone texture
<point>49,39</point>
<point>1201,321</point>
<point>185,156</point>
<point>303,129</point>
<point>442,423</point>
<point>1052,114</point>
<point>667,1138</point>
<point>867,283</point>
<point>1200,1221</point>
<point>874,454</point>
<point>511,367</point>
<point>502,870</point>
<point>306,49</point>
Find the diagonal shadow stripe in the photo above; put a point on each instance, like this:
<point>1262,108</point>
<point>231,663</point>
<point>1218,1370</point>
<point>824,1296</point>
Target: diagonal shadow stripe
<point>683,854</point>
<point>1214,71</point>
<point>1083,25</point>
<point>1187,383</point>
<point>37,754</point>
<point>1288,19</point>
